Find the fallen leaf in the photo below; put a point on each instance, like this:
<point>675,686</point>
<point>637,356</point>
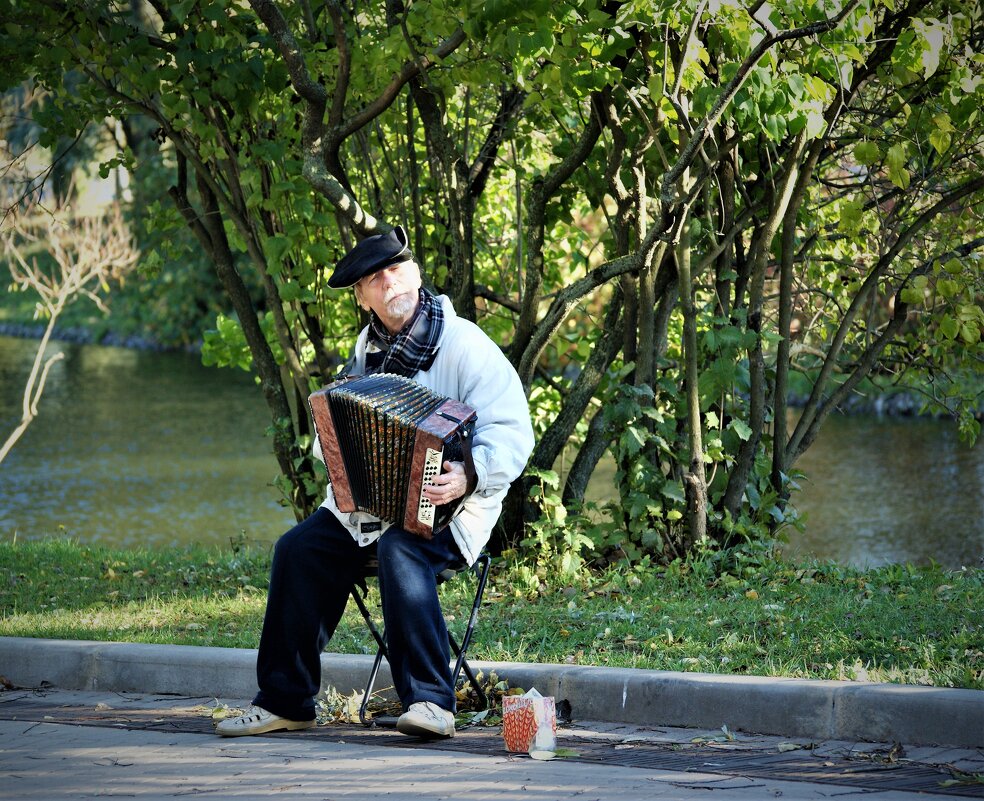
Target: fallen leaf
<point>222,712</point>
<point>352,704</point>
<point>471,718</point>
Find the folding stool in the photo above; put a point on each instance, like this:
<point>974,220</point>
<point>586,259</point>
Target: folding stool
<point>359,592</point>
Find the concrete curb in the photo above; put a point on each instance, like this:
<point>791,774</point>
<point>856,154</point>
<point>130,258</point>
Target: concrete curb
<point>819,710</point>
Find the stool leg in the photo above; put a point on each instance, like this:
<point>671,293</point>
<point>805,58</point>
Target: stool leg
<point>363,709</point>
<point>380,653</point>
<point>483,563</point>
<point>462,665</point>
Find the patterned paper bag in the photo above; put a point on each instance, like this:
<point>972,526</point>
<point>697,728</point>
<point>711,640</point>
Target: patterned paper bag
<point>529,723</point>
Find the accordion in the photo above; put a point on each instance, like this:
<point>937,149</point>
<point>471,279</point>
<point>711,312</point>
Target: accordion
<point>384,437</point>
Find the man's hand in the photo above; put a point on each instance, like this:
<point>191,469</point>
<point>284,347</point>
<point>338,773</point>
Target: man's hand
<point>448,486</point>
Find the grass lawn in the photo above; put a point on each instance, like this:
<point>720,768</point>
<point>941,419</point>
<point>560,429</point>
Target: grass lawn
<point>896,624</point>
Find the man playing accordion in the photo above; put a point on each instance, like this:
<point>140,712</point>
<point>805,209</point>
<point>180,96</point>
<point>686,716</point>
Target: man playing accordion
<point>415,334</point>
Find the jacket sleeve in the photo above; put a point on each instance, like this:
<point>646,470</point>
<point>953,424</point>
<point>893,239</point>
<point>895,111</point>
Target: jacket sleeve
<point>503,439</point>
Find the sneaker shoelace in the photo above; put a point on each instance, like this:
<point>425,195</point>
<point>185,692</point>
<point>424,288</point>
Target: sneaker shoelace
<point>434,713</point>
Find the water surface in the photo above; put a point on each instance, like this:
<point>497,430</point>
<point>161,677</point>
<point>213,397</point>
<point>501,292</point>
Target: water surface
<point>883,490</point>
<point>143,448</point>
<point>136,448</point>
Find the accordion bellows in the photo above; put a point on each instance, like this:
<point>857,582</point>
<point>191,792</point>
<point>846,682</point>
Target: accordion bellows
<point>384,437</point>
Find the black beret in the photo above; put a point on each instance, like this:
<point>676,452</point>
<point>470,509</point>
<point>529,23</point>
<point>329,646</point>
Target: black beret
<point>371,254</point>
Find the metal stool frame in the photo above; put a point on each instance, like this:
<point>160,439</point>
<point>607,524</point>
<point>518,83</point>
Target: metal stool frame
<point>481,569</point>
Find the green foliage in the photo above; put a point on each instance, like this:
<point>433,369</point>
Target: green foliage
<point>556,543</point>
<point>647,516</point>
<point>225,345</point>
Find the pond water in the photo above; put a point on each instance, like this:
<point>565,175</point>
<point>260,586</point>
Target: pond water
<point>885,490</point>
<point>143,448</point>
<point>136,448</point>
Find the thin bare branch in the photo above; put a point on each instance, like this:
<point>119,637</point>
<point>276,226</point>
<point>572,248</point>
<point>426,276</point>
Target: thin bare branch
<point>88,254</point>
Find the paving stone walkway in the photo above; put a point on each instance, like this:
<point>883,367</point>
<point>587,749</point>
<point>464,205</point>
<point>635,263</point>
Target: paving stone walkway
<point>66,744</point>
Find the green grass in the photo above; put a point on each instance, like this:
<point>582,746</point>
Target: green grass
<point>897,624</point>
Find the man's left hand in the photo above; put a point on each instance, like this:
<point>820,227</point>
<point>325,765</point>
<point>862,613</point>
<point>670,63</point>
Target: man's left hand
<point>448,486</point>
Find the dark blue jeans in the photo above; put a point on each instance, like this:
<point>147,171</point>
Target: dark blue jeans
<point>315,566</point>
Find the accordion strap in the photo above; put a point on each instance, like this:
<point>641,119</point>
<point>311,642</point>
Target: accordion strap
<point>471,476</point>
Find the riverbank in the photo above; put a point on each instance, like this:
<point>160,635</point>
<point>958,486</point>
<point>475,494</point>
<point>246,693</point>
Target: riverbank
<point>884,402</point>
<point>78,335</point>
<point>898,624</point>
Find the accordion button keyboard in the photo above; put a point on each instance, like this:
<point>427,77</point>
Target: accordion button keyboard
<point>432,467</point>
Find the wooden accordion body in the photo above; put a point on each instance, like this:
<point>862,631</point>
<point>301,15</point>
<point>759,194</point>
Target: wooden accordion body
<point>384,437</point>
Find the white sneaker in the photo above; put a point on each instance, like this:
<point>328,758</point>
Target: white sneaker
<point>426,719</point>
<point>257,720</point>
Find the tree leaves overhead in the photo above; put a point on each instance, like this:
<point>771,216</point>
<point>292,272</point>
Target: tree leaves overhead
<point>812,171</point>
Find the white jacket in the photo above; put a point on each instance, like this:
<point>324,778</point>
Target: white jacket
<point>470,368</point>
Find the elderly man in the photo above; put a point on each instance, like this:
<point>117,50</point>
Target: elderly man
<point>415,334</point>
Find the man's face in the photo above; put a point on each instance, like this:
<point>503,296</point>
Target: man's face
<point>391,292</point>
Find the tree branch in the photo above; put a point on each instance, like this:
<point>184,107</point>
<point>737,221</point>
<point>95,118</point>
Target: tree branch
<point>706,126</point>
<point>815,403</point>
<point>308,88</point>
<point>873,351</point>
<point>577,398</point>
<point>542,190</point>
<point>410,69</point>
<point>510,105</point>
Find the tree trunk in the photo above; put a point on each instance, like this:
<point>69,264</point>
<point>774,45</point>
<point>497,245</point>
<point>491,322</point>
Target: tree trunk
<point>724,264</point>
<point>453,189</point>
<point>559,432</point>
<point>742,470</point>
<point>780,460</point>
<point>596,442</point>
<point>209,229</point>
<point>695,480</point>
<point>518,510</point>
<point>540,194</point>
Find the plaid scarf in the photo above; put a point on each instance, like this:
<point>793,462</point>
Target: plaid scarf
<point>414,347</point>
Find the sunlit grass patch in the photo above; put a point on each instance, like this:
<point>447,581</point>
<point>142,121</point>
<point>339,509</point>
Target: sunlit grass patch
<point>895,624</point>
